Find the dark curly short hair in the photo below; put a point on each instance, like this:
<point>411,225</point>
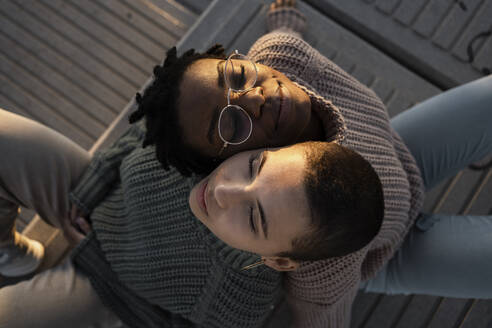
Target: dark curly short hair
<point>345,197</point>
<point>159,106</point>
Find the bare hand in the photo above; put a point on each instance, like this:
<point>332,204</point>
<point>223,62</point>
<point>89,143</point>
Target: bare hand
<point>76,227</point>
<point>282,4</point>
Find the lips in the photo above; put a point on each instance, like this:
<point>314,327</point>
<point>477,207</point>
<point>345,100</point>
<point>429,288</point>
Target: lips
<point>200,195</point>
<point>284,109</point>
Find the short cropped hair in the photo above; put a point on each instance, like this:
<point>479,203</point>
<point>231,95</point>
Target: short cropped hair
<point>159,106</point>
<point>345,197</point>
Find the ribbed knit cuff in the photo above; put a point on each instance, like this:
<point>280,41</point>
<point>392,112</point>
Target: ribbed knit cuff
<point>313,315</point>
<point>286,19</point>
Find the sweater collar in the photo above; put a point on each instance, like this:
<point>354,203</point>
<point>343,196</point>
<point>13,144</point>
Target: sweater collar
<point>332,119</point>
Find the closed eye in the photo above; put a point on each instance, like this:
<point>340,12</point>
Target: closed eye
<point>251,221</point>
<point>240,79</point>
<point>251,160</point>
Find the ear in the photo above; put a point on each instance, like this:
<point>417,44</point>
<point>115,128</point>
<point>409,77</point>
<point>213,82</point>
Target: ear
<point>280,263</point>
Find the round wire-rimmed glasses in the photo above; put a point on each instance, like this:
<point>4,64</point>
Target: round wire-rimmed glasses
<point>234,123</point>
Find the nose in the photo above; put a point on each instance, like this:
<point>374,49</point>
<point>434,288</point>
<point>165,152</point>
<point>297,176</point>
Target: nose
<point>252,101</point>
<point>228,194</point>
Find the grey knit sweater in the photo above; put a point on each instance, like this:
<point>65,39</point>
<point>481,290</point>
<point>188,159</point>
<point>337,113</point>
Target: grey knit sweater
<point>152,262</point>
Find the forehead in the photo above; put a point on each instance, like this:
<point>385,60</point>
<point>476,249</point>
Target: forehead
<point>283,195</point>
<point>199,98</point>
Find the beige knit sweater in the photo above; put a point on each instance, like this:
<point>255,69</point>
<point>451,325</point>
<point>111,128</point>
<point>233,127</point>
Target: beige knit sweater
<point>321,293</point>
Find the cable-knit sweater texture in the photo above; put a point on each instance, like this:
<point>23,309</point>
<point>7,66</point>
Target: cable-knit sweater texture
<point>154,264</point>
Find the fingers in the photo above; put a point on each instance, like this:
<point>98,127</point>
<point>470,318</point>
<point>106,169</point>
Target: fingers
<point>282,3</point>
<point>73,213</point>
<point>71,233</point>
<point>83,225</point>
<point>75,227</point>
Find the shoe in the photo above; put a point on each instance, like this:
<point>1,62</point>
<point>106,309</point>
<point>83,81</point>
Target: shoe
<point>20,257</point>
<point>483,165</point>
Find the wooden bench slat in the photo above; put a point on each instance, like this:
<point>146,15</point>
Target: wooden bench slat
<point>127,26</point>
<point>101,33</point>
<point>86,37</point>
<point>159,21</point>
<point>175,9</point>
<point>196,6</point>
<point>44,33</point>
<point>480,315</point>
<point>97,112</point>
<point>50,104</point>
<point>59,63</point>
<point>417,312</point>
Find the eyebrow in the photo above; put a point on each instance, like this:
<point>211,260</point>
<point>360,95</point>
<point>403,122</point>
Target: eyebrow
<point>264,221</point>
<point>215,117</point>
<point>213,125</point>
<point>220,73</point>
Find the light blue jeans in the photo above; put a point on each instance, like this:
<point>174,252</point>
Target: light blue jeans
<point>445,255</point>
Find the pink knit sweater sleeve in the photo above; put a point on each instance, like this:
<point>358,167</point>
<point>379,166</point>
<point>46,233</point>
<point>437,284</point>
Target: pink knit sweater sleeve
<point>286,19</point>
<point>320,294</point>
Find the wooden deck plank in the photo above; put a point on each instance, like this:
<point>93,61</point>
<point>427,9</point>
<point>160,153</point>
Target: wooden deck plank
<point>483,202</point>
<point>480,23</point>
<point>479,316</point>
<point>6,101</point>
<point>129,25</point>
<point>55,109</point>
<point>454,23</point>
<point>103,34</point>
<point>41,29</point>
<point>83,42</point>
<point>386,313</point>
<point>40,112</point>
<point>362,309</point>
<point>173,8</point>
<point>196,6</point>
<point>89,37</point>
<point>165,18</point>
<point>418,311</point>
<point>53,60</point>
<point>449,314</point>
<point>97,112</point>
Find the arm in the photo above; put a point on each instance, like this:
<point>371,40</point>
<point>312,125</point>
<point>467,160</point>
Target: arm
<point>336,315</point>
<point>284,21</point>
<point>283,16</point>
<point>321,293</point>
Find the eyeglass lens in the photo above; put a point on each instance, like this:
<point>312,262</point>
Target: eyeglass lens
<point>234,124</point>
<point>240,73</point>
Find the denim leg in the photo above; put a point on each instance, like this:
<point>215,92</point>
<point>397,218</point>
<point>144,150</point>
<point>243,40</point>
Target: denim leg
<point>442,255</point>
<point>447,132</point>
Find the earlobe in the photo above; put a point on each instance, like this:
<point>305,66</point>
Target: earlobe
<point>280,263</point>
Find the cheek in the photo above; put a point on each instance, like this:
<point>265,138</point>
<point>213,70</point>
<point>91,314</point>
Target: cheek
<point>231,230</point>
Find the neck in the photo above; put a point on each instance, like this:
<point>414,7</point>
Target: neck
<point>314,131</point>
